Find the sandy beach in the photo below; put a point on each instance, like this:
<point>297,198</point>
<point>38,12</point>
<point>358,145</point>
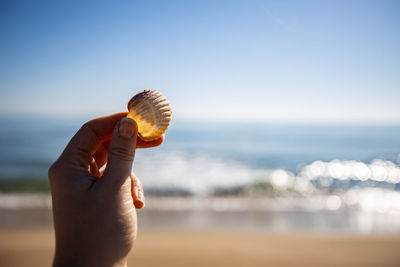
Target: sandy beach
<point>34,247</point>
<point>196,232</point>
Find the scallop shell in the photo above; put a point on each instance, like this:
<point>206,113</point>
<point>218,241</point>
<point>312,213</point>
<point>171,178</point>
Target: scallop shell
<point>152,113</point>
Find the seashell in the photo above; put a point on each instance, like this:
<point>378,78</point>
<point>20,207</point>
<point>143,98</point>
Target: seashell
<point>152,113</point>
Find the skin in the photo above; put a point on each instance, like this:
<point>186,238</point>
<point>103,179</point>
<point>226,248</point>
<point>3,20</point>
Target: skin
<point>94,211</point>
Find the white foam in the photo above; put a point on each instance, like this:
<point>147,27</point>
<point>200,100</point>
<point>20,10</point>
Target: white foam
<point>378,170</point>
<point>201,173</point>
<point>198,173</point>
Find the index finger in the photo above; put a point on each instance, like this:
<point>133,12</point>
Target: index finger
<point>147,144</point>
<point>89,137</point>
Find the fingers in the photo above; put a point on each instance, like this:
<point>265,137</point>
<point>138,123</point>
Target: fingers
<point>147,144</point>
<point>137,192</point>
<point>102,151</point>
<point>101,155</point>
<point>121,153</point>
<point>93,169</point>
<point>89,137</point>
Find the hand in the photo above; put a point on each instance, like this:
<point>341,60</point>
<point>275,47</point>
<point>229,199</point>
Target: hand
<point>94,212</point>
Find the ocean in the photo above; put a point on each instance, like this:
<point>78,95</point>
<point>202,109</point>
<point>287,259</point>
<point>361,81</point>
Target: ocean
<point>202,157</point>
<point>297,167</point>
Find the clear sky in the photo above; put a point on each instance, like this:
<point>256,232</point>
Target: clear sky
<point>301,61</point>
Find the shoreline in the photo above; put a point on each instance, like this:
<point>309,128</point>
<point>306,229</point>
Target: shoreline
<point>267,215</point>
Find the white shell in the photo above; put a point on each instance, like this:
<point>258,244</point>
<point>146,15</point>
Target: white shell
<point>152,113</point>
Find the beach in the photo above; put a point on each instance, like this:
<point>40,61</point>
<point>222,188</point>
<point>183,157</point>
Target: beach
<point>206,232</point>
<point>265,133</point>
<point>34,247</point>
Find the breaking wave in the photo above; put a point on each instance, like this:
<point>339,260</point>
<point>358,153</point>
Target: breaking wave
<point>203,174</point>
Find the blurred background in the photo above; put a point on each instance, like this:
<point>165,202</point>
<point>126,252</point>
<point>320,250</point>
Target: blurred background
<point>285,137</point>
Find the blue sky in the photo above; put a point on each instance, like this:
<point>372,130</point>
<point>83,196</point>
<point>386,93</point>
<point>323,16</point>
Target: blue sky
<point>279,61</point>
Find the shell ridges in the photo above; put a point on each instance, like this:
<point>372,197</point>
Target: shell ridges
<point>152,113</point>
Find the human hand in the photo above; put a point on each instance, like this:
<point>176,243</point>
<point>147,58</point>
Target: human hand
<point>94,212</point>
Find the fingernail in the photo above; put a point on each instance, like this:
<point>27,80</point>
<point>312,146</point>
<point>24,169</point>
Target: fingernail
<point>140,196</point>
<point>126,128</point>
<point>139,203</point>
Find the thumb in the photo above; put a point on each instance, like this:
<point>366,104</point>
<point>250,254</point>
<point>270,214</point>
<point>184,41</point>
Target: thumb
<point>121,152</point>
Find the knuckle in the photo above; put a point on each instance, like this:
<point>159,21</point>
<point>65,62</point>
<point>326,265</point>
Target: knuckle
<point>137,182</point>
<point>86,126</point>
<point>56,170</point>
<point>53,170</point>
<point>122,153</point>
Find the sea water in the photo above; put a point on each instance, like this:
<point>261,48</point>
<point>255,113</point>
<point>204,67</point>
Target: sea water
<point>201,157</point>
<point>297,167</point>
